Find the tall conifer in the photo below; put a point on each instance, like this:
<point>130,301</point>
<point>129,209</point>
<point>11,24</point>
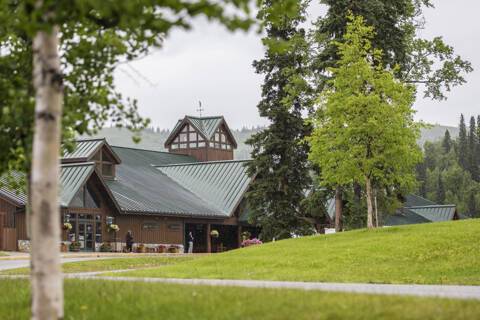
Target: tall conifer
<point>462,144</point>
<point>280,153</point>
<point>472,150</point>
<point>447,142</point>
<point>440,190</point>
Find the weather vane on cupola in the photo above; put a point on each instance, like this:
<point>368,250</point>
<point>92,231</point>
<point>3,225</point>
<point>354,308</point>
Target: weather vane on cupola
<point>200,108</point>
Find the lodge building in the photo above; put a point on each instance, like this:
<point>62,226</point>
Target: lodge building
<point>160,196</point>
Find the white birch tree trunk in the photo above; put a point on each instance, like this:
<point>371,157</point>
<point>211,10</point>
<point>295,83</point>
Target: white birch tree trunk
<point>46,277</point>
<point>368,185</point>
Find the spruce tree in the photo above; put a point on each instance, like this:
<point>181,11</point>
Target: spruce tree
<point>472,205</point>
<point>422,179</point>
<point>430,63</point>
<point>447,142</point>
<point>440,190</point>
<point>462,144</point>
<point>280,153</point>
<point>472,150</point>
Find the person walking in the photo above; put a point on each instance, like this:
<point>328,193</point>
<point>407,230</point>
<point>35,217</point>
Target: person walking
<point>190,242</point>
<point>129,241</point>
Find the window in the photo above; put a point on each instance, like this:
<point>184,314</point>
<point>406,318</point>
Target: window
<point>188,138</point>
<point>107,169</point>
<point>77,200</point>
<point>85,198</point>
<point>98,231</point>
<point>201,144</point>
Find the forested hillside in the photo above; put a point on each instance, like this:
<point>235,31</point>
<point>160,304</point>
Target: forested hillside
<point>153,138</point>
<point>450,172</point>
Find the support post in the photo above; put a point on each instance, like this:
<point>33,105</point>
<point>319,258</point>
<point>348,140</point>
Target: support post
<point>239,230</point>
<point>209,239</point>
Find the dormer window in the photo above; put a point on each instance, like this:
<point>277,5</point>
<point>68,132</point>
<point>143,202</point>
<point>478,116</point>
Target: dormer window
<point>204,138</point>
<point>188,138</point>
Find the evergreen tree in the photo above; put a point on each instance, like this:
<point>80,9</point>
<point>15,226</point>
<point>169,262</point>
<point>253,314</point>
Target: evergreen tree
<point>472,205</point>
<point>352,142</point>
<point>395,22</point>
<point>422,179</point>
<point>472,150</point>
<point>462,144</point>
<point>440,190</point>
<point>447,142</point>
<point>280,152</point>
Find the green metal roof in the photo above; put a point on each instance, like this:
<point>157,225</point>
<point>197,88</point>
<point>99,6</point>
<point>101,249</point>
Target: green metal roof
<point>435,213</point>
<point>206,125</point>
<point>220,183</point>
<point>142,189</point>
<point>84,149</point>
<point>72,177</point>
<point>412,200</point>
<point>16,196</point>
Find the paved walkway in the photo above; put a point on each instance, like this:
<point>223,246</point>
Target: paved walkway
<point>25,263</point>
<point>439,291</point>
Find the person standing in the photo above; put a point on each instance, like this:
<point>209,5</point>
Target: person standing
<point>190,242</point>
<point>129,241</point>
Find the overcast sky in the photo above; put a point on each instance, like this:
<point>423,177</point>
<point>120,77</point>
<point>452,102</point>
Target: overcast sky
<point>215,66</point>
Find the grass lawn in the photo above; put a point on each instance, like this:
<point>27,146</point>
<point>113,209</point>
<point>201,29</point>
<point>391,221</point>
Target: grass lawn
<point>110,264</point>
<point>434,253</point>
<point>87,299</point>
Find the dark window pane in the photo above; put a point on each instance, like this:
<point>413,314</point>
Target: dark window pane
<point>91,200</point>
<point>107,169</point>
<point>77,200</point>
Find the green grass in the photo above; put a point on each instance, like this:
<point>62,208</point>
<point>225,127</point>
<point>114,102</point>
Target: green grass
<point>3,254</point>
<point>87,299</point>
<point>435,253</point>
<point>109,264</point>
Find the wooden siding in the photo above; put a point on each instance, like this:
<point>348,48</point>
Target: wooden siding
<point>205,154</point>
<point>166,230</point>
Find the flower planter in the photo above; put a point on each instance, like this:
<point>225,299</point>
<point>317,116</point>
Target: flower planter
<point>63,247</point>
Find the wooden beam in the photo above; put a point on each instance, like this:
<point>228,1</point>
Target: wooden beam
<point>209,239</point>
<point>239,230</point>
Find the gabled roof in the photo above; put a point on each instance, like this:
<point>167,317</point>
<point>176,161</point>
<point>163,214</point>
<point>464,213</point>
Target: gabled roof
<point>72,177</point>
<point>206,126</point>
<point>86,149</point>
<point>221,183</point>
<point>140,188</point>
<point>435,213</point>
<point>19,198</point>
<point>412,200</point>
<point>421,214</point>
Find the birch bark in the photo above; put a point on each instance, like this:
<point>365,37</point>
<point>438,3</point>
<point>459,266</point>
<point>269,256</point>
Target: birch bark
<point>46,278</point>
